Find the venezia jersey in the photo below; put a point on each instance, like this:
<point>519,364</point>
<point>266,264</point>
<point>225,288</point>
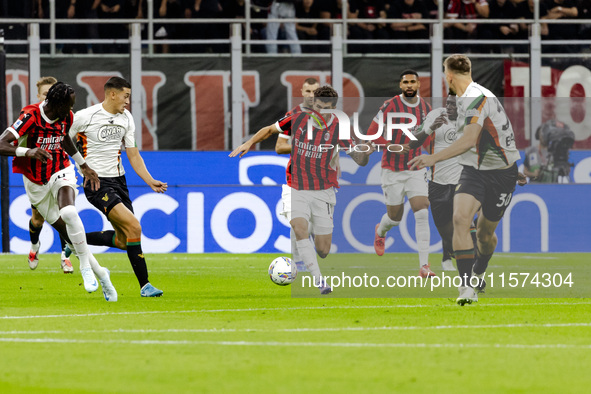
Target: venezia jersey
<point>314,161</point>
<point>33,129</point>
<point>100,135</point>
<point>391,160</point>
<point>446,172</point>
<point>495,147</point>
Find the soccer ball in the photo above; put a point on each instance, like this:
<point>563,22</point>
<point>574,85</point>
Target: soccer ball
<point>282,271</point>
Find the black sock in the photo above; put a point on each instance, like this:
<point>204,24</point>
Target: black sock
<point>481,262</point>
<point>34,233</point>
<point>137,260</point>
<point>446,254</point>
<point>465,261</point>
<point>101,238</point>
<point>62,242</point>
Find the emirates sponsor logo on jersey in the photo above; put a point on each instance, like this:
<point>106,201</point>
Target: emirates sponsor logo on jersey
<point>110,133</point>
<point>50,143</point>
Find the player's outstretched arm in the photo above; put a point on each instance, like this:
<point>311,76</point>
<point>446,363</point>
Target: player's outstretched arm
<point>8,149</point>
<point>261,135</point>
<point>139,166</point>
<point>461,145</point>
<point>282,146</point>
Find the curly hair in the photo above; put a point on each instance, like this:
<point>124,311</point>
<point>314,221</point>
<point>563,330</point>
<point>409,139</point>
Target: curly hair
<point>59,94</point>
<point>327,94</point>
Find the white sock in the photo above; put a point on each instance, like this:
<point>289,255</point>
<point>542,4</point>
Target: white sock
<point>295,255</point>
<point>423,235</point>
<point>308,255</point>
<point>96,268</point>
<point>35,247</point>
<point>76,233</point>
<point>386,224</point>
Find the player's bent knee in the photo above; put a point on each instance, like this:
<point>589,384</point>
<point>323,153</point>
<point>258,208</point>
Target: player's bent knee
<point>461,222</point>
<point>69,214</point>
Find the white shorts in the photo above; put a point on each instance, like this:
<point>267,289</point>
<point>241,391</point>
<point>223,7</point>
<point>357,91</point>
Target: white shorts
<point>44,197</point>
<point>407,183</point>
<point>316,206</point>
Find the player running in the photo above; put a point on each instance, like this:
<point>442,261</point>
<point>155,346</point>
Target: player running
<point>486,149</point>
<point>100,130</point>
<point>283,146</point>
<point>398,180</point>
<point>314,177</point>
<point>36,222</point>
<point>49,178</point>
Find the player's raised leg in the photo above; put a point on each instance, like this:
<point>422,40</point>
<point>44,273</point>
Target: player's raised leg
<point>128,236</point>
<point>308,253</point>
<point>389,220</point>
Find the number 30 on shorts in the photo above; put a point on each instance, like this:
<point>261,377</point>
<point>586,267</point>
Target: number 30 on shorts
<point>504,199</point>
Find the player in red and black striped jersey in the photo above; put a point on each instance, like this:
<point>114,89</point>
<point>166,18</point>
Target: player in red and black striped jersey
<point>283,146</point>
<point>50,181</point>
<point>398,181</point>
<point>314,175</point>
<point>36,221</point>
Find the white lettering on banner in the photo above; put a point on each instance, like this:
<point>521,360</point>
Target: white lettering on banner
<point>195,223</point>
<point>347,215</point>
<point>544,220</point>
<point>246,163</point>
<point>582,172</point>
<point>263,223</point>
<point>157,202</point>
<point>19,216</point>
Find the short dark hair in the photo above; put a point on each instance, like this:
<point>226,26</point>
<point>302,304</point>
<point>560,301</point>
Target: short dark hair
<point>407,72</point>
<point>458,64</point>
<point>327,94</point>
<point>117,83</point>
<point>311,81</point>
<point>59,94</point>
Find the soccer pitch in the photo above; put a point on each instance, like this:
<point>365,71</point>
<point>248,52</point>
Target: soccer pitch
<point>223,326</point>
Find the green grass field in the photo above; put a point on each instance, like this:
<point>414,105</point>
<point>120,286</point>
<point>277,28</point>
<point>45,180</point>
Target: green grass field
<point>222,326</point>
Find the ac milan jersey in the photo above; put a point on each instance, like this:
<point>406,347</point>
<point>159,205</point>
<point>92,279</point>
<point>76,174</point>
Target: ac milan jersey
<point>391,160</point>
<point>99,136</point>
<point>294,111</point>
<point>314,161</point>
<point>34,129</point>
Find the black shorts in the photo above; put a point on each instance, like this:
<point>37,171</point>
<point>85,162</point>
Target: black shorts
<point>492,188</point>
<point>441,199</point>
<point>111,192</point>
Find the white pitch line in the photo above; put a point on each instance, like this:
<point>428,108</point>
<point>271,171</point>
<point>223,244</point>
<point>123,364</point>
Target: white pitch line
<point>450,305</point>
<point>307,344</point>
<point>304,329</point>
